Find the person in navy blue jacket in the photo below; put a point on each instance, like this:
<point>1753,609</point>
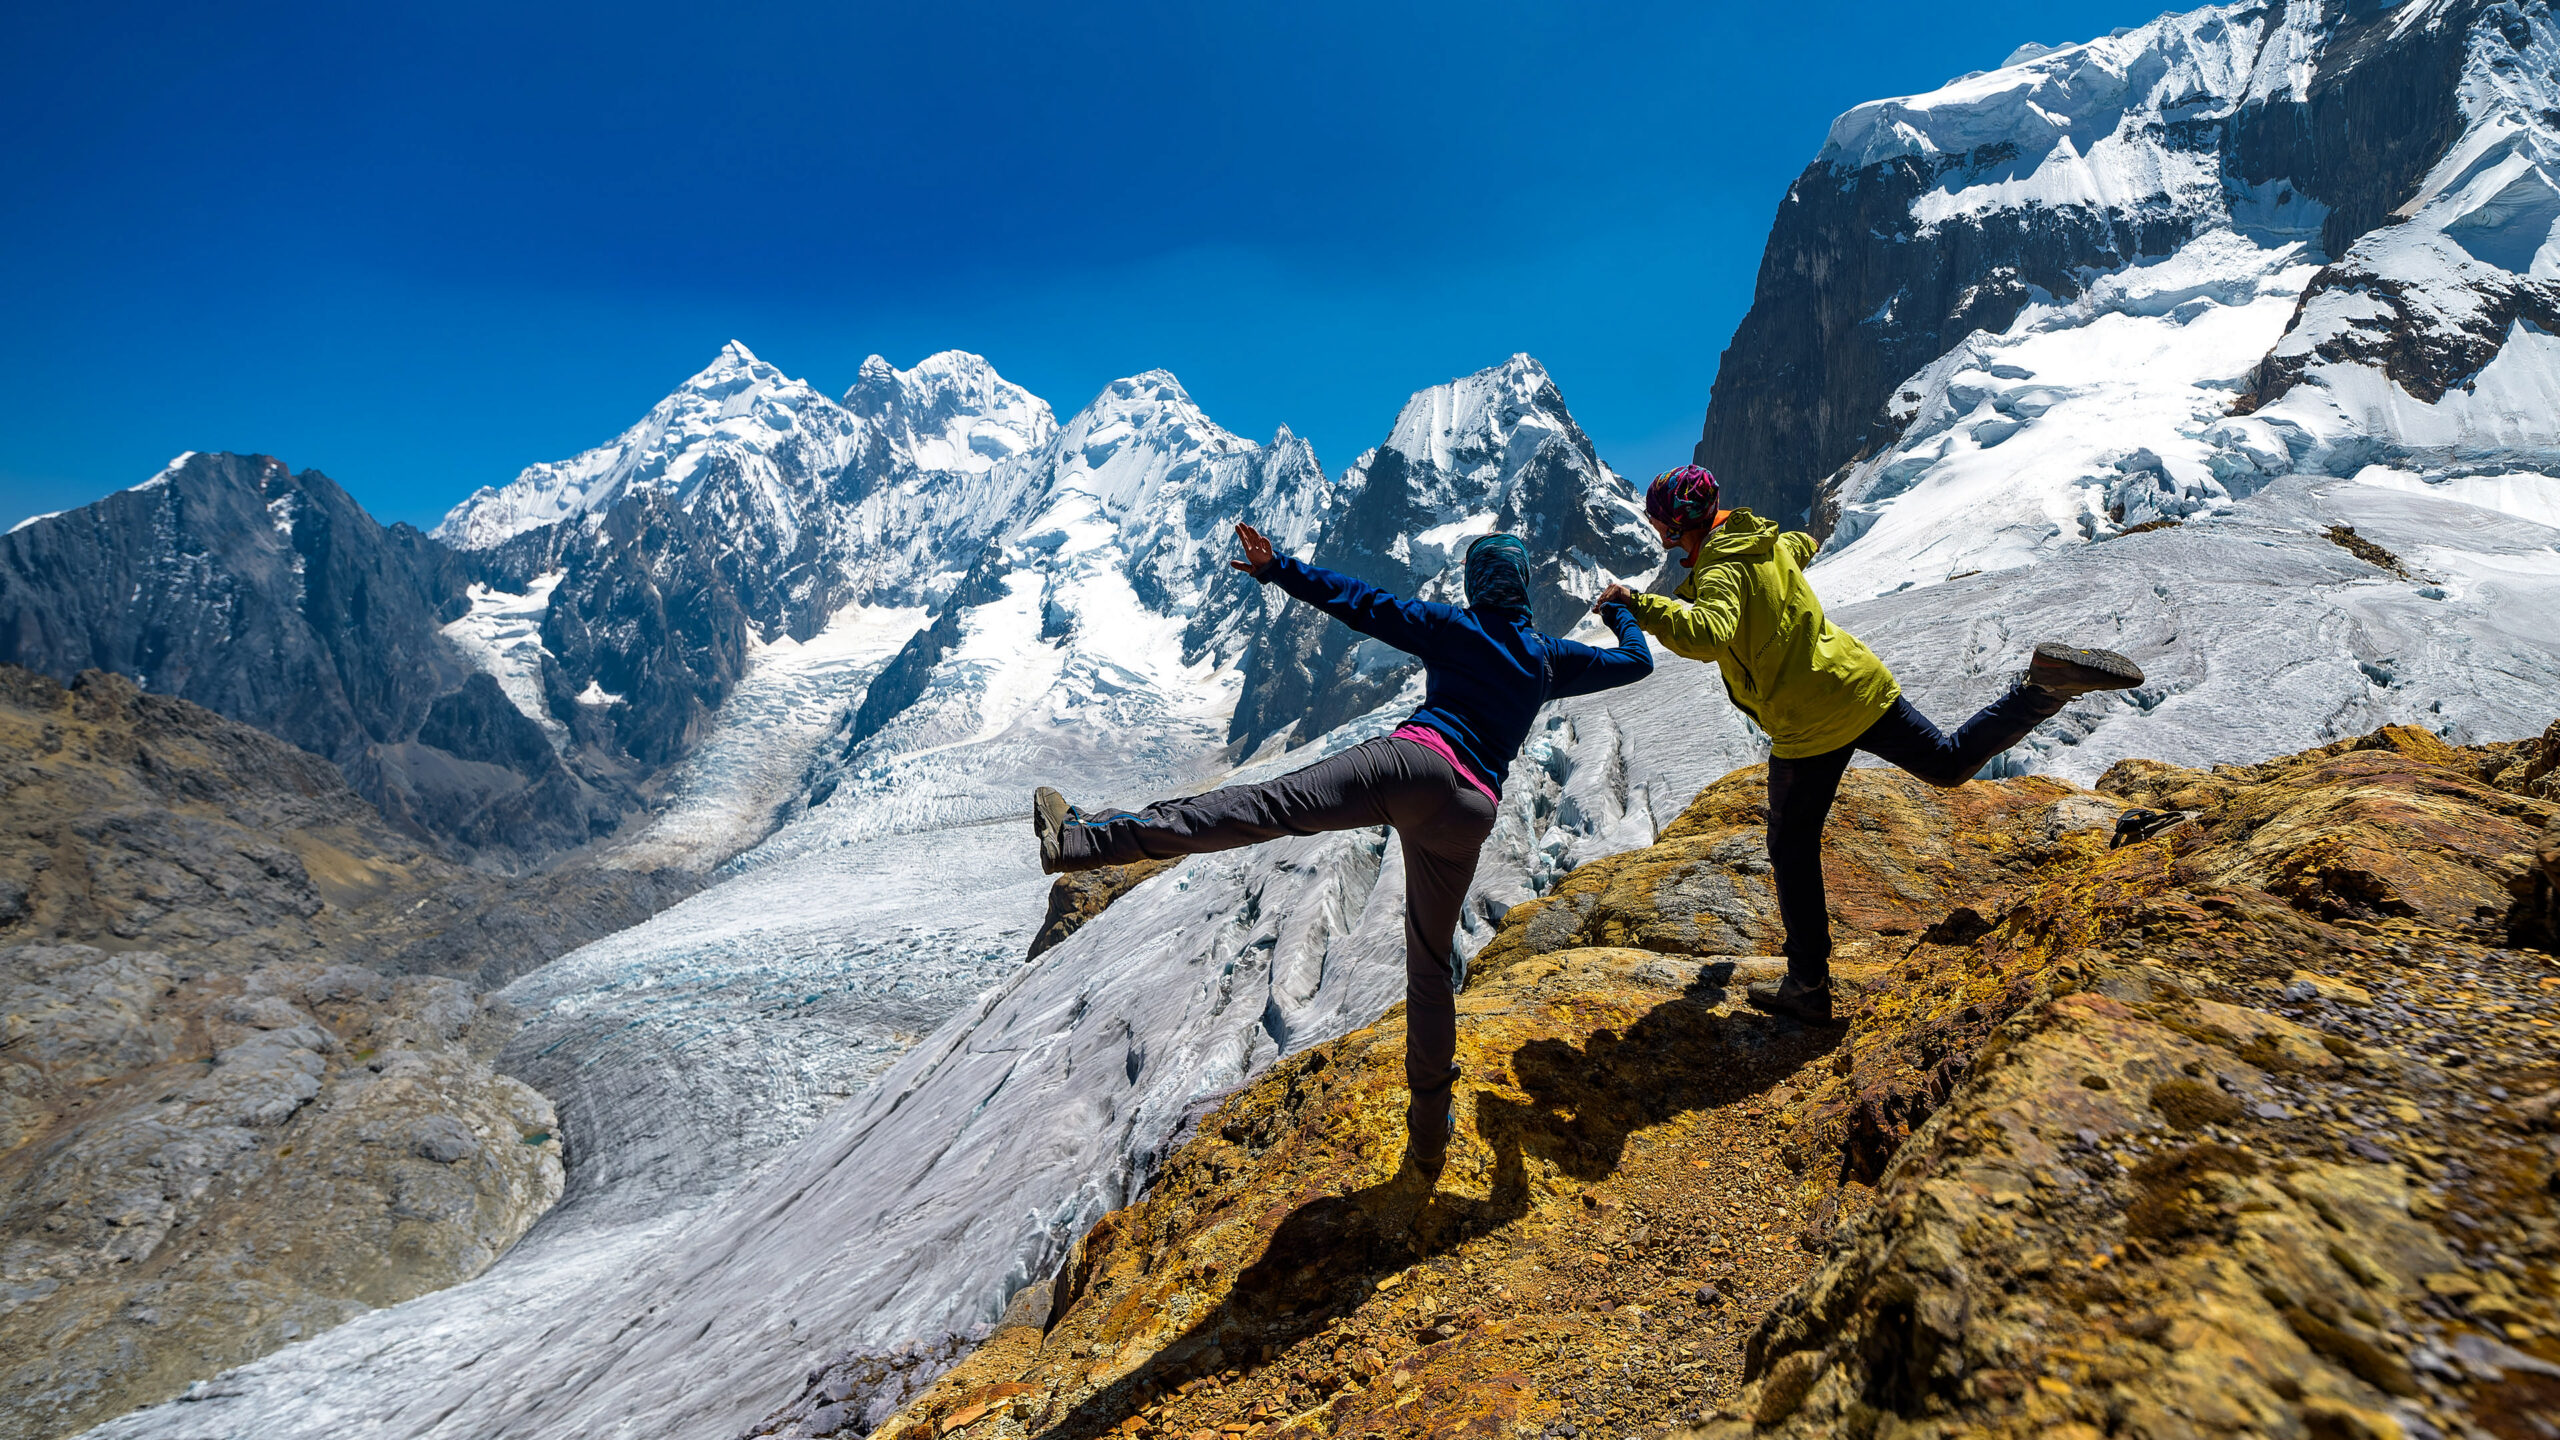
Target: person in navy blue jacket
<point>1436,780</point>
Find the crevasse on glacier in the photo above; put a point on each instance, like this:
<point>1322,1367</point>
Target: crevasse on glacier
<point>822,1109</point>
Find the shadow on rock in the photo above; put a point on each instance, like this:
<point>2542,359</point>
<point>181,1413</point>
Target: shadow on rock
<point>1583,1103</point>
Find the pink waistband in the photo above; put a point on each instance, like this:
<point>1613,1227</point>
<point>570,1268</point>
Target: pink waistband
<point>1438,744</point>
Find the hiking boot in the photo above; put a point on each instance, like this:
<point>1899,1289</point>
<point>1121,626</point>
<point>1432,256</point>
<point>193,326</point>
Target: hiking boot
<point>1792,999</point>
<point>1426,1143</point>
<point>1049,815</point>
<point>2063,671</point>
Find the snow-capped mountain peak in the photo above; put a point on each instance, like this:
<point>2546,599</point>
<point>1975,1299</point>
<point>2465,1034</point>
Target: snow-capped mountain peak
<point>951,412</point>
<point>2106,124</point>
<point>1485,423</point>
<point>1142,435</point>
<point>783,441</point>
<point>777,431</point>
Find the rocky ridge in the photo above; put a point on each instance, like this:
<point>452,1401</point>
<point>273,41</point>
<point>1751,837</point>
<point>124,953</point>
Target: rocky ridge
<point>2207,1102</point>
<point>238,1102</point>
<point>197,1168</point>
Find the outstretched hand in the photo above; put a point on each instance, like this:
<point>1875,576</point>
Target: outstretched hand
<point>1614,595</point>
<point>1257,550</point>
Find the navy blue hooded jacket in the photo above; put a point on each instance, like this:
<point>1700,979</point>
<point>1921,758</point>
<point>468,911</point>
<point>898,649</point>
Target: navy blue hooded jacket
<point>1485,672</point>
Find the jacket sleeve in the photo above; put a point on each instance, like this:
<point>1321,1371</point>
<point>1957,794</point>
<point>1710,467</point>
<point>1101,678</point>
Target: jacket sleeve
<point>1699,629</point>
<point>1405,624</point>
<point>1581,669</point>
<point>1801,546</point>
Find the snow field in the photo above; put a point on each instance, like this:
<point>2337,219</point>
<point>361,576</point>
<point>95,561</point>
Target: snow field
<point>502,634</point>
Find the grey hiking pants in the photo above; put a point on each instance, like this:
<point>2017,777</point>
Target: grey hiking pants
<point>1439,818</point>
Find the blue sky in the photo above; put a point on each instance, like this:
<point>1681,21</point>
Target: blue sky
<point>421,247</point>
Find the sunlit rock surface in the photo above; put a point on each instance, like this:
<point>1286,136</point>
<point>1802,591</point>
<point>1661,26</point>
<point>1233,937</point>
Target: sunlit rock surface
<point>2218,1103</point>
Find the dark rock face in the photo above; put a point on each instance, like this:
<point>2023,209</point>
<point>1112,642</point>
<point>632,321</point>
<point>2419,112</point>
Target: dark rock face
<point>1854,295</point>
<point>268,596</point>
<point>273,598</point>
<point>2382,109</point>
<point>2427,339</point>
<point>649,612</point>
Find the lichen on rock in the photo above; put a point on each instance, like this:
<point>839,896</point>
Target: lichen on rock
<point>2236,1123</point>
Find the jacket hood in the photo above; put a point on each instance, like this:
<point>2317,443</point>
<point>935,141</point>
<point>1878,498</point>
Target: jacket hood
<point>1742,536</point>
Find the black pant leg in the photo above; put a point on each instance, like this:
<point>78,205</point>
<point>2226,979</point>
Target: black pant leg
<point>1342,792</point>
<point>1907,738</point>
<point>1800,796</point>
<point>1441,823</point>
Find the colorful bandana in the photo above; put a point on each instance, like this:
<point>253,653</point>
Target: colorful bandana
<point>1498,574</point>
<point>1683,499</point>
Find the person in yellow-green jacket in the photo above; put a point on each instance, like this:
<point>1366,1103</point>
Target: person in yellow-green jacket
<point>1820,696</point>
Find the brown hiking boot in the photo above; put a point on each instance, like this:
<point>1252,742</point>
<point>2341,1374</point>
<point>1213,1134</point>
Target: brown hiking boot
<point>1049,813</point>
<point>1792,999</point>
<point>2065,671</point>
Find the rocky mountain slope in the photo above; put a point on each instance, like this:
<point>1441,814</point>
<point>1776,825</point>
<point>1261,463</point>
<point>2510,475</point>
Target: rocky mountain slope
<point>236,1105</point>
<point>2210,1102</point>
<point>271,597</point>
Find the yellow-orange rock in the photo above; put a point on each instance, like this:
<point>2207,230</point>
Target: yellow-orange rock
<point>2237,1129</point>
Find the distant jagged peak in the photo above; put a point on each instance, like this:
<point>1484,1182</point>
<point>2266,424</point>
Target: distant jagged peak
<point>1142,434</point>
<point>737,407</point>
<point>952,412</point>
<point>740,414</point>
<point>1464,442</point>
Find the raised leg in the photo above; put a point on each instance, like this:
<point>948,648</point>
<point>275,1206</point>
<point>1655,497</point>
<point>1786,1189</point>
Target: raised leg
<point>1906,737</point>
<point>1343,792</point>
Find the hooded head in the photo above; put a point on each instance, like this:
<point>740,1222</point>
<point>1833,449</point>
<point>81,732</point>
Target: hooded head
<point>1682,500</point>
<point>1498,574</point>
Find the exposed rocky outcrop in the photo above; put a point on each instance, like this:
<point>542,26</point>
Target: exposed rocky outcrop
<point>134,820</point>
<point>233,1111</point>
<point>198,1167</point>
<point>1079,896</point>
<point>273,598</point>
<point>2207,1103</point>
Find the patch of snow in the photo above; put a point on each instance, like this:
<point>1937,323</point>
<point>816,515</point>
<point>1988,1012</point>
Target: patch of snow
<point>162,478</point>
<point>2083,419</point>
<point>728,794</point>
<point>596,694</point>
<point>502,635</point>
<point>33,519</point>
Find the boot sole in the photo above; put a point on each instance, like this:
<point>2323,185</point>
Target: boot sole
<point>2087,669</point>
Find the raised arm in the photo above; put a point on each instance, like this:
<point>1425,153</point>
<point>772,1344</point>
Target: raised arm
<point>1405,624</point>
<point>1581,669</point>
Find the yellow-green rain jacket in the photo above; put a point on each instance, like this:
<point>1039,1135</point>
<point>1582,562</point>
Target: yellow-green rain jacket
<point>1746,607</point>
